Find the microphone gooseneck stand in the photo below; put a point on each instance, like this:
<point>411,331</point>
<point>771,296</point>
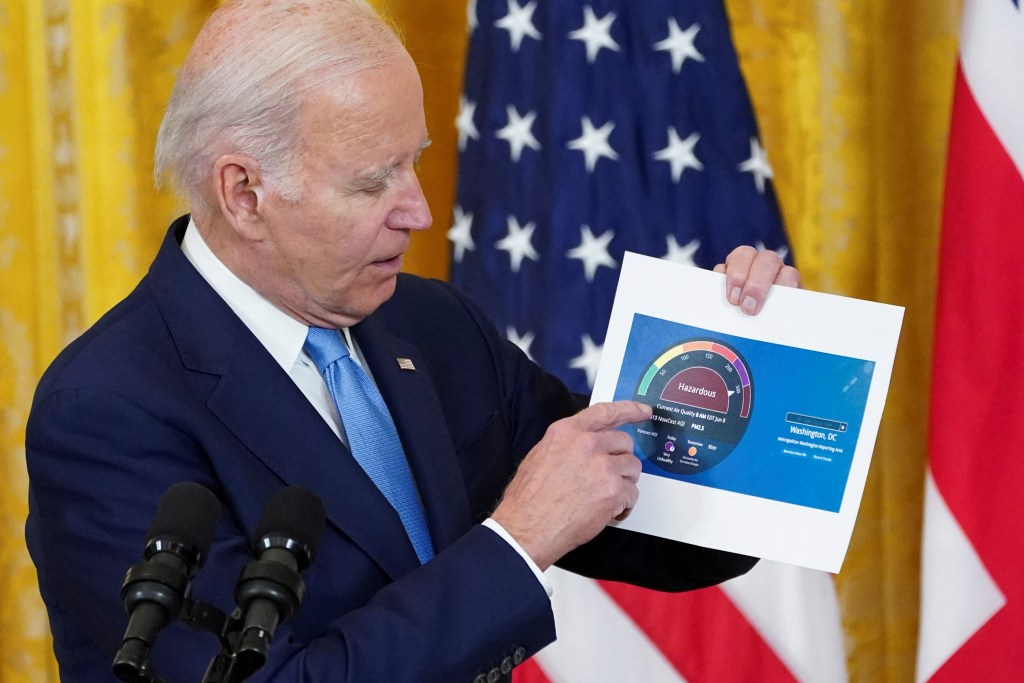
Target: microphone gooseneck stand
<point>177,544</point>
<point>270,587</point>
<point>158,590</point>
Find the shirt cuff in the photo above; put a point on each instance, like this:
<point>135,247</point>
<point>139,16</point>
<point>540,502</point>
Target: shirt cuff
<point>500,530</point>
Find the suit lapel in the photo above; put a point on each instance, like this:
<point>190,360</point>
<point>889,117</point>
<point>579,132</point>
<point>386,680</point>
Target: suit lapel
<point>416,410</point>
<point>287,434</point>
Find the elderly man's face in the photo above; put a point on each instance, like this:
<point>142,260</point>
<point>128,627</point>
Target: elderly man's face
<point>332,258</point>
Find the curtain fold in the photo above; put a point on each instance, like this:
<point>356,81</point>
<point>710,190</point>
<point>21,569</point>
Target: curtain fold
<point>82,87</point>
<point>853,102</point>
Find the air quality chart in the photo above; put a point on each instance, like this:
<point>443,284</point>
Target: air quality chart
<point>702,394</point>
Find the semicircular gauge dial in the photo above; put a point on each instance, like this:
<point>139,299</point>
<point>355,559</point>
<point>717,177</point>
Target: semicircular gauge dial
<point>702,395</point>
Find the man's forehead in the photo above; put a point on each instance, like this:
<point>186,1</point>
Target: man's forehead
<point>376,116</point>
<point>367,92</point>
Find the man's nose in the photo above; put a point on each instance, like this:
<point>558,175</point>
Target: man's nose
<point>412,211</point>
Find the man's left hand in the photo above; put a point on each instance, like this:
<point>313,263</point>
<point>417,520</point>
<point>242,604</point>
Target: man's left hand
<point>750,273</point>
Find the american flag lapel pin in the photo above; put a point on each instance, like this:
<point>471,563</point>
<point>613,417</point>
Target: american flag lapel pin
<point>406,364</point>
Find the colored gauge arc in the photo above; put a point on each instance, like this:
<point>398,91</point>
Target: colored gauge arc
<point>702,395</point>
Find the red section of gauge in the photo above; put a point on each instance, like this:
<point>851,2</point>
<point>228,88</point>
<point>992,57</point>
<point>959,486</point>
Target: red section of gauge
<point>698,387</point>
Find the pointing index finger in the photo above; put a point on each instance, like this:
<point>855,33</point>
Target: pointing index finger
<point>601,416</point>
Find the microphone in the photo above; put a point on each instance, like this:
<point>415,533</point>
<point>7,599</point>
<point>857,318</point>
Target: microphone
<point>177,543</point>
<point>270,588</point>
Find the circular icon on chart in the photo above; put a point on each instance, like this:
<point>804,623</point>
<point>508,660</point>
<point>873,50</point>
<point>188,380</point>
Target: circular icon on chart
<point>702,394</point>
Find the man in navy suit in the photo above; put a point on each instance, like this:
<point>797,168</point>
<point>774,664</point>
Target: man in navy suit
<point>294,130</point>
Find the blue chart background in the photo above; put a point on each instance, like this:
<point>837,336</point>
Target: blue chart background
<point>785,379</point>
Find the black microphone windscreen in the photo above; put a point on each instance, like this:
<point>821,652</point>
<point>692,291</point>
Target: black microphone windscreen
<point>296,513</point>
<point>188,512</point>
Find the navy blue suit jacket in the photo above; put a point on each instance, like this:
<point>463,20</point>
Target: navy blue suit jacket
<point>171,386</point>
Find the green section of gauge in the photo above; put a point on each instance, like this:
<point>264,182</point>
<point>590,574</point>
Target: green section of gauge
<point>646,382</point>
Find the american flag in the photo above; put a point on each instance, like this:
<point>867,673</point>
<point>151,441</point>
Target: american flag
<point>588,128</point>
<point>972,588</point>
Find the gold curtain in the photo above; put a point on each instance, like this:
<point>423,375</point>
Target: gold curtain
<point>82,87</point>
<point>853,101</point>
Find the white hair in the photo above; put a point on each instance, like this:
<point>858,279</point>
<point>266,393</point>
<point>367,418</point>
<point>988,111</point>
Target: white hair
<point>242,87</point>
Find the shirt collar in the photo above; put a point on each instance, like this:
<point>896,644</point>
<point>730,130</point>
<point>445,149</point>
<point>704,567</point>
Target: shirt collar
<point>281,334</point>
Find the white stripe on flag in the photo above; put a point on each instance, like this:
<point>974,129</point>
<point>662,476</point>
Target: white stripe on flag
<point>588,620</point>
<point>796,611</point>
<point>992,56</point>
<point>957,593</point>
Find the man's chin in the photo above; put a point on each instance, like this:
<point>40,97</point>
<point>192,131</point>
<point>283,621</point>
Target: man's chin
<point>375,299</point>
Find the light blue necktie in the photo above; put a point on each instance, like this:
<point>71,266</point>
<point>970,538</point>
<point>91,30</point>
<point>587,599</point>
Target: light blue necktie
<point>372,437</point>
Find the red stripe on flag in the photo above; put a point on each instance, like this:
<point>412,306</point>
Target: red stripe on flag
<point>977,408</point>
<point>530,672</point>
<point>702,633</point>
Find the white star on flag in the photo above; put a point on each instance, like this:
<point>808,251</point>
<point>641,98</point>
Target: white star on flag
<point>518,132</point>
<point>464,122</point>
<point>518,243</point>
<point>524,342</point>
<point>589,359</point>
<point>519,23</point>
<point>681,254</point>
<point>594,143</point>
<point>460,234</point>
<point>782,251</point>
<point>596,33</point>
<point>680,44</point>
<point>471,16</point>
<point>757,164</point>
<point>593,251</point>
<point>680,153</point>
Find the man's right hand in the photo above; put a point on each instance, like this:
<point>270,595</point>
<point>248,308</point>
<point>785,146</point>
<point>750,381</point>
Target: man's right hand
<point>577,479</point>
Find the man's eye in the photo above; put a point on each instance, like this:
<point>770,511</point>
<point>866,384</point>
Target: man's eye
<point>376,188</point>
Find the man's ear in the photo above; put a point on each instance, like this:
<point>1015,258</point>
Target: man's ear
<point>240,193</point>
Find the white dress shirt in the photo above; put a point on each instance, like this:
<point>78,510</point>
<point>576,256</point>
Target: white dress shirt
<point>283,336</point>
